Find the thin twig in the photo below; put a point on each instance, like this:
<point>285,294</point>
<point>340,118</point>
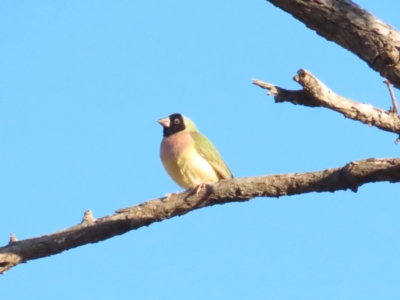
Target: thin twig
<point>394,108</point>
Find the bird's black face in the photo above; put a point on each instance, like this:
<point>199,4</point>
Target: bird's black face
<point>172,124</point>
<point>176,123</point>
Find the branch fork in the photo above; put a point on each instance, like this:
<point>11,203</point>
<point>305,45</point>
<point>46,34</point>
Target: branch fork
<point>317,94</point>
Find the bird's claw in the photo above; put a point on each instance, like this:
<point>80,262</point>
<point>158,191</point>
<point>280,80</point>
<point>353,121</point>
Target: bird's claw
<point>199,187</point>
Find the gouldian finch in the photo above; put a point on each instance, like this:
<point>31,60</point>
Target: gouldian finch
<point>188,156</point>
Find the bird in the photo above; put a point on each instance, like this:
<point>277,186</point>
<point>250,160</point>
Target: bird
<point>189,157</point>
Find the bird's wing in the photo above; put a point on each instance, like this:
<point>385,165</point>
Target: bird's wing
<point>207,150</point>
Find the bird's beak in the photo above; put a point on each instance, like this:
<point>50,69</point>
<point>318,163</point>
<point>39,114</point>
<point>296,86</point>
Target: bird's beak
<point>164,122</point>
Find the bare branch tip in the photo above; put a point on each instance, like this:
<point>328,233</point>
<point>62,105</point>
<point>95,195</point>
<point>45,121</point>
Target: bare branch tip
<point>88,217</point>
<point>301,72</point>
<point>265,85</point>
<point>13,238</point>
<point>258,82</point>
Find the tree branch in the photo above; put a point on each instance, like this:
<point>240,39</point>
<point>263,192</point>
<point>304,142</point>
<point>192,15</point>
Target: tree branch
<point>316,94</point>
<point>353,28</point>
<point>351,176</point>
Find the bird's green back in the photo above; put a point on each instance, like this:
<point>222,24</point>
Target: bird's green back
<point>207,150</point>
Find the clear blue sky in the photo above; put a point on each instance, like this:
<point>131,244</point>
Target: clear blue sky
<point>82,84</point>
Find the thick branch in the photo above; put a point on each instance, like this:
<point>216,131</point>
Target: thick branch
<point>352,27</point>
<point>91,230</point>
<point>316,94</point>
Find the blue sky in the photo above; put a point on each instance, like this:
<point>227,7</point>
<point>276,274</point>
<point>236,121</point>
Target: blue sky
<point>82,84</point>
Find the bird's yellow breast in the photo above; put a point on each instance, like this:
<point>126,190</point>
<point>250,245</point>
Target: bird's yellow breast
<point>189,169</point>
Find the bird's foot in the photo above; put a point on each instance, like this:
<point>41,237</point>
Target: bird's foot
<point>200,186</point>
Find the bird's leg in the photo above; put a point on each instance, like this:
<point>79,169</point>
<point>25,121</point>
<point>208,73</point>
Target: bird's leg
<point>201,186</point>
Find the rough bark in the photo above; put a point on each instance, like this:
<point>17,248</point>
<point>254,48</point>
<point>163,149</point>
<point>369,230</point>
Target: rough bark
<point>351,176</point>
<point>353,28</point>
<point>340,21</point>
<point>316,94</point>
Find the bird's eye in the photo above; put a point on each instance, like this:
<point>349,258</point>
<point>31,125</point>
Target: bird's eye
<point>177,121</point>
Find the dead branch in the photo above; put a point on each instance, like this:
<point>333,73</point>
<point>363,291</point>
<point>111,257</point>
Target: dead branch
<point>316,94</point>
<point>91,230</point>
<point>350,26</point>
